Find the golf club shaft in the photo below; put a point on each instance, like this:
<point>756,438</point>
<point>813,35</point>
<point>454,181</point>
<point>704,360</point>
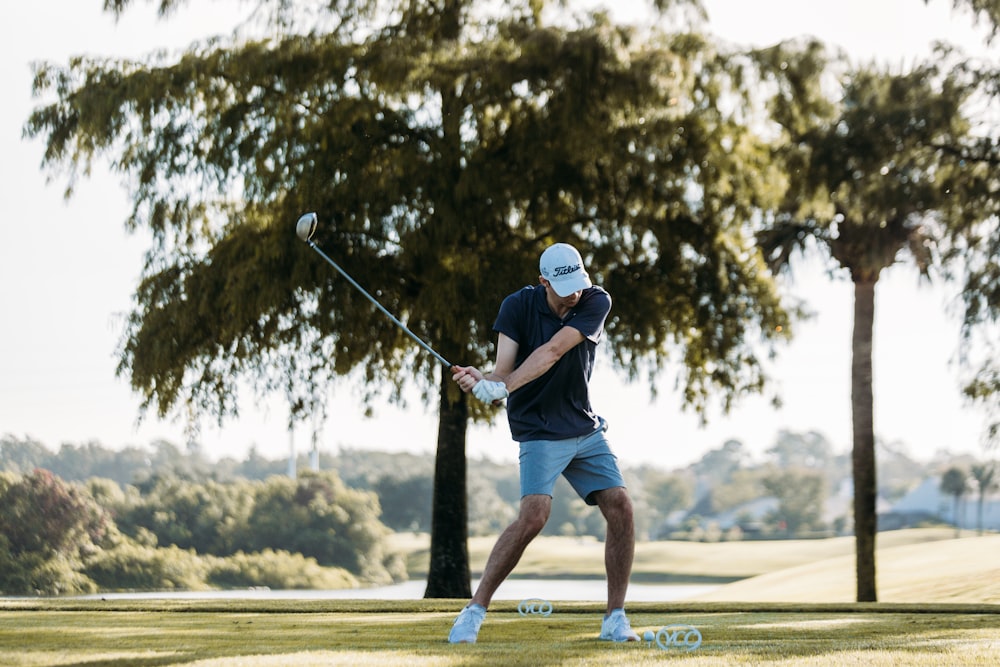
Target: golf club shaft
<point>379,305</point>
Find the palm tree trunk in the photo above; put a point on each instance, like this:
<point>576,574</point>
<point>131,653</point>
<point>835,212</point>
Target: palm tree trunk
<point>863,455</point>
<point>448,574</point>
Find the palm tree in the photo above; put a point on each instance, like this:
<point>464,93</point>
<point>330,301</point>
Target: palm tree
<point>985,476</point>
<point>862,189</point>
<point>955,482</point>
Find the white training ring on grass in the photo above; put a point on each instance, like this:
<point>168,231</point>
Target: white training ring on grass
<point>534,607</point>
<point>684,637</point>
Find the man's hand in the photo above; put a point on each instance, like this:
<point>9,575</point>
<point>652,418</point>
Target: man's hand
<point>470,379</point>
<point>490,392</point>
<point>466,377</point>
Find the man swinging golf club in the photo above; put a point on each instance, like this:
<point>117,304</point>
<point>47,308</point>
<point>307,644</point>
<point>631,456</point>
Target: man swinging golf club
<point>547,343</point>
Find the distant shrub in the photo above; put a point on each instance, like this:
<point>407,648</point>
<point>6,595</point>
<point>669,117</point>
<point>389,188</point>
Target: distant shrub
<point>33,574</point>
<point>133,566</point>
<point>278,570</point>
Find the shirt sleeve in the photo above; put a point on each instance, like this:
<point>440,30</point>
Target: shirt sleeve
<point>590,314</point>
<point>510,318</point>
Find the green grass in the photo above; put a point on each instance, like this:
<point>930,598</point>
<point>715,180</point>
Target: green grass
<point>412,633</point>
<point>939,605</point>
<point>962,570</point>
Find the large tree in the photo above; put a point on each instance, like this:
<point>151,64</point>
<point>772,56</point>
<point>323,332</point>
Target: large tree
<point>868,175</point>
<point>976,242</point>
<point>443,147</point>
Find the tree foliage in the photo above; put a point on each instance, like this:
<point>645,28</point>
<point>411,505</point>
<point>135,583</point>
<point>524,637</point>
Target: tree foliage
<point>47,529</point>
<point>315,515</point>
<point>801,494</point>
<point>986,483</point>
<point>955,483</point>
<point>58,537</point>
<point>984,10</point>
<point>975,246</point>
<point>417,155</point>
<point>741,487</point>
<point>801,450</point>
<point>319,517</point>
<point>720,464</point>
<point>209,517</point>
<point>21,455</point>
<point>43,514</point>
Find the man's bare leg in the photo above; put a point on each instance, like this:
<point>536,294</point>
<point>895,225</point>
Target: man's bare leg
<point>619,548</point>
<point>511,544</point>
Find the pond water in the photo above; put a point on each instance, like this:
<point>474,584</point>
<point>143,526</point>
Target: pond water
<point>512,589</point>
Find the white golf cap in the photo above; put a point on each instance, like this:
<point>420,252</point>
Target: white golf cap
<point>562,266</point>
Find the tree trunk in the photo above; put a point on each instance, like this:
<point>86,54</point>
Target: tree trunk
<point>448,575</point>
<point>863,455</point>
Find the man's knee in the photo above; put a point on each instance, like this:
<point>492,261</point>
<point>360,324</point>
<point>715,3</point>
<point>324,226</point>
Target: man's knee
<point>615,503</point>
<point>534,513</point>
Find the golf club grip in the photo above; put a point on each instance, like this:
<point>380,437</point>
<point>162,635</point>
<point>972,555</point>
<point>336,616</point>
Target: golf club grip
<point>378,305</point>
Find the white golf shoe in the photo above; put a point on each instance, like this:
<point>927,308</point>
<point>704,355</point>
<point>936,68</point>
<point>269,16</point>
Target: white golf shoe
<point>616,628</point>
<point>466,627</point>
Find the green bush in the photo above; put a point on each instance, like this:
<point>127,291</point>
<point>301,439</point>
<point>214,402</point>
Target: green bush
<point>320,517</point>
<point>31,573</point>
<point>132,566</point>
<point>58,576</point>
<point>278,570</point>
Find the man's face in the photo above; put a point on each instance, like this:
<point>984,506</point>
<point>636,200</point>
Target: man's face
<point>560,301</point>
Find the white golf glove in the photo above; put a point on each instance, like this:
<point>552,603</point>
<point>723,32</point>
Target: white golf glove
<point>490,392</point>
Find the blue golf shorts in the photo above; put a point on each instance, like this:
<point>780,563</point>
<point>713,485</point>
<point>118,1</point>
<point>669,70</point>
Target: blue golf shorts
<point>586,462</point>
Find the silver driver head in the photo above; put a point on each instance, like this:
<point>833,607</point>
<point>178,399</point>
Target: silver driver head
<point>306,226</point>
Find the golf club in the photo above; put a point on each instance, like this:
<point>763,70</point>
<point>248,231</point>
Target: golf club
<point>305,228</point>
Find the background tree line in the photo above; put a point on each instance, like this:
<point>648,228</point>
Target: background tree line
<point>60,537</point>
<point>163,517</point>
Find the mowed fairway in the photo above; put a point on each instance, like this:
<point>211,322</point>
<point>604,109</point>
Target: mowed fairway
<point>955,619</point>
<point>411,633</point>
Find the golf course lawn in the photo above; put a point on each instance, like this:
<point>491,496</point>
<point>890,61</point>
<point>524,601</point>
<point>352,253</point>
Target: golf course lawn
<point>939,605</point>
<point>410,633</point>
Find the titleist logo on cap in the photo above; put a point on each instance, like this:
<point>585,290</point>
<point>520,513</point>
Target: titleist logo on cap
<point>565,270</point>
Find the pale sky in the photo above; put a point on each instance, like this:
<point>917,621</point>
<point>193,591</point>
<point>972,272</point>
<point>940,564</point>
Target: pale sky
<point>68,270</point>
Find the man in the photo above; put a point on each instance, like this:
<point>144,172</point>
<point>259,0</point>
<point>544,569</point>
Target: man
<point>547,343</point>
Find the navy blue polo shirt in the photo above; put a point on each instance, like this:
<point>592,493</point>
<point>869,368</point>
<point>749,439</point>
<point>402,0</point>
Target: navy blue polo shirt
<point>556,405</point>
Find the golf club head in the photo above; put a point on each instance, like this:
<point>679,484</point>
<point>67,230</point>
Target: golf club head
<point>306,226</point>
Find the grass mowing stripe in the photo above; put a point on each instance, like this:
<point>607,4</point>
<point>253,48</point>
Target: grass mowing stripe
<point>407,633</point>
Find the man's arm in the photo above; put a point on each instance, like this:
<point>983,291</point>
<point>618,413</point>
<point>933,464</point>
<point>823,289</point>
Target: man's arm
<point>537,363</point>
<point>468,376</point>
<point>535,366</point>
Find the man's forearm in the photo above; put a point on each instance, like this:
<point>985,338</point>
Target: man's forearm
<point>535,366</point>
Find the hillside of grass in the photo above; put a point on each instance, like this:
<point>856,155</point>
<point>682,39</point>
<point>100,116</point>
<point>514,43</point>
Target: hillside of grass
<point>964,570</point>
<point>918,565</point>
